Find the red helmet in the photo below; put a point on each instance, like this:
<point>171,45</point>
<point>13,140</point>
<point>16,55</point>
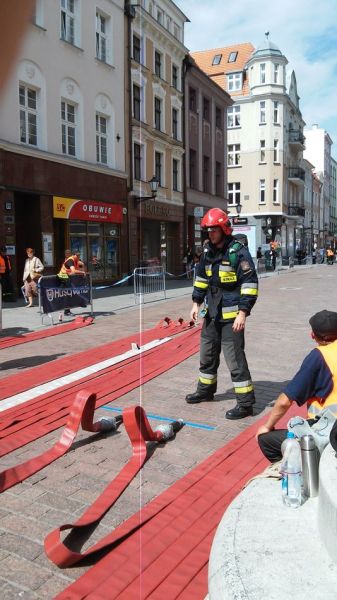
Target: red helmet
<point>217,218</point>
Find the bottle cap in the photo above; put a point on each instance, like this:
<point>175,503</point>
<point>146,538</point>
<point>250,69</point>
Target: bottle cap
<point>290,434</point>
<point>308,442</point>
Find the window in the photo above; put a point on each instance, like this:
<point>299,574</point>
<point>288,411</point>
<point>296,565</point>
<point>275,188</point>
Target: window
<point>275,191</point>
<point>262,151</point>
<point>101,140</point>
<point>205,108</point>
<point>232,57</point>
<point>37,13</point>
<point>205,172</point>
<point>158,166</point>
<point>175,77</point>
<point>276,112</point>
<point>175,174</point>
<point>262,191</point>
<point>234,193</point>
<point>234,82</point>
<point>136,48</point>
<point>192,99</point>
<point>262,112</point>
<point>136,102</point>
<point>218,179</point>
<point>217,59</point>
<point>28,116</point>
<point>276,72</point>
<point>157,63</point>
<point>157,113</point>
<point>192,168</point>
<point>218,117</point>
<point>234,157</point>
<point>263,73</point>
<point>159,16</point>
<point>276,153</point>
<point>137,164</point>
<point>68,21</point>
<point>174,123</point>
<point>233,116</point>
<point>68,129</point>
<point>101,37</point>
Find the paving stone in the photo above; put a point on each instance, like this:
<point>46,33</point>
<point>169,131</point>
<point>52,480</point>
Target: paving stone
<point>29,528</point>
<point>12,592</point>
<point>23,573</point>
<point>16,545</point>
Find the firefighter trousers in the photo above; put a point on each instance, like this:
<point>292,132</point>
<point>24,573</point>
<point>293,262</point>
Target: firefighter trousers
<point>215,336</point>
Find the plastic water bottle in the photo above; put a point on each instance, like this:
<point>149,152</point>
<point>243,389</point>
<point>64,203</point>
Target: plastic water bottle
<point>285,443</point>
<point>60,316</point>
<point>291,471</point>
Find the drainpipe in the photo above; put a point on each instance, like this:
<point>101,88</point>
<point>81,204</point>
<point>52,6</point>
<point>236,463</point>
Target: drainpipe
<point>130,13</point>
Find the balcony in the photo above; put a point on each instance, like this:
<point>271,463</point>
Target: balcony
<point>296,140</point>
<point>296,211</point>
<point>296,175</point>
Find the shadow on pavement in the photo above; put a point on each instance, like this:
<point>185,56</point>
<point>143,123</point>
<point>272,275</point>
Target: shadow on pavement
<point>30,361</point>
<point>263,391</point>
<point>15,332</point>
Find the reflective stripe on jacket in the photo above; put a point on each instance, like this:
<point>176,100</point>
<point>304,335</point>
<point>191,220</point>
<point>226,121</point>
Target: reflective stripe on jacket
<point>3,265</point>
<point>64,270</point>
<point>227,277</point>
<point>316,405</point>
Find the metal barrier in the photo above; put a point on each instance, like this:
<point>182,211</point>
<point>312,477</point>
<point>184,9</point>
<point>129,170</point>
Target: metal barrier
<point>57,296</point>
<point>278,265</point>
<point>291,262</point>
<point>0,308</point>
<point>148,280</point>
<point>261,266</point>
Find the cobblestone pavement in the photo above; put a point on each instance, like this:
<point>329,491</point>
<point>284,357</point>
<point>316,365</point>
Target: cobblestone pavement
<point>277,339</point>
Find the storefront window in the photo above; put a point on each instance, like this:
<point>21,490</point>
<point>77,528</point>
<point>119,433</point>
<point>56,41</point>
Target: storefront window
<point>99,247</point>
<point>157,244</point>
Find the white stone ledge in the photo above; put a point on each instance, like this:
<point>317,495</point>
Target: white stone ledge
<point>263,550</point>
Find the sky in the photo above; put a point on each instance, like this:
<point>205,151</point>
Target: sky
<point>304,30</point>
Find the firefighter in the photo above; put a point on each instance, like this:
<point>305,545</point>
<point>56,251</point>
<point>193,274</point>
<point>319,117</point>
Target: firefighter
<point>227,279</point>
<point>72,266</point>
<point>329,256</point>
<point>5,276</point>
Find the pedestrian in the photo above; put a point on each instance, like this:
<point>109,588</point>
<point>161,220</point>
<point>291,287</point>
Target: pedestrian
<point>329,256</point>
<point>315,384</point>
<point>72,265</point>
<point>259,252</point>
<point>227,278</point>
<point>5,276</point>
<point>32,272</point>
<point>197,255</point>
<point>188,262</point>
<point>272,257</point>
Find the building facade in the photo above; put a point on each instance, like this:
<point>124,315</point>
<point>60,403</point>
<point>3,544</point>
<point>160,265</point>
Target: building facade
<point>62,142</point>
<point>155,31</point>
<point>333,202</point>
<point>265,140</point>
<point>318,151</point>
<point>205,144</point>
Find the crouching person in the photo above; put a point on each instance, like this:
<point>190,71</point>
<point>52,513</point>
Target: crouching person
<point>315,384</point>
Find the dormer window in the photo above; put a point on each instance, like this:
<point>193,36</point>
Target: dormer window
<point>232,57</point>
<point>217,59</point>
<point>234,82</point>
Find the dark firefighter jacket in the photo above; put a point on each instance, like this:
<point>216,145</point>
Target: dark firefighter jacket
<point>227,279</point>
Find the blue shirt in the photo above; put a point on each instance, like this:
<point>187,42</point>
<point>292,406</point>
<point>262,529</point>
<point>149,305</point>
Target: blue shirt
<point>313,380</point>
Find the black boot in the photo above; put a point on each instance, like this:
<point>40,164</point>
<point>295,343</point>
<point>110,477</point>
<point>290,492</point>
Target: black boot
<point>198,397</point>
<point>239,412</point>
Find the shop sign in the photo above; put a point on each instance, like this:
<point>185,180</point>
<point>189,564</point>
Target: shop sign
<point>10,250</point>
<point>8,219</point>
<point>85,210</point>
<point>198,211</point>
<point>155,209</point>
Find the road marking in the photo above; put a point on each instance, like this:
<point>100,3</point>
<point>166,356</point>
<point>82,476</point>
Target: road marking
<point>291,288</point>
<point>55,384</point>
<point>163,419</point>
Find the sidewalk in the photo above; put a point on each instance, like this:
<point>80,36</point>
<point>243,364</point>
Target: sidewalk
<point>277,339</point>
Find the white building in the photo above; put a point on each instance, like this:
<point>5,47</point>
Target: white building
<point>62,132</point>
<point>318,152</point>
<point>265,139</point>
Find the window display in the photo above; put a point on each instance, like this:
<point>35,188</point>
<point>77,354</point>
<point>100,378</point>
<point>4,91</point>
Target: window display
<point>99,244</point>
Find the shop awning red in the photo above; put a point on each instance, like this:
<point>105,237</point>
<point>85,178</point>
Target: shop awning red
<point>85,210</point>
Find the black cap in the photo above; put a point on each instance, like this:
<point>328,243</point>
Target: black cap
<point>324,323</point>
<point>3,249</point>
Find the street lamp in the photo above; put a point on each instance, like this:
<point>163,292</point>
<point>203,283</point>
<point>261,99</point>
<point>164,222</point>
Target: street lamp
<point>154,184</point>
<point>238,208</point>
